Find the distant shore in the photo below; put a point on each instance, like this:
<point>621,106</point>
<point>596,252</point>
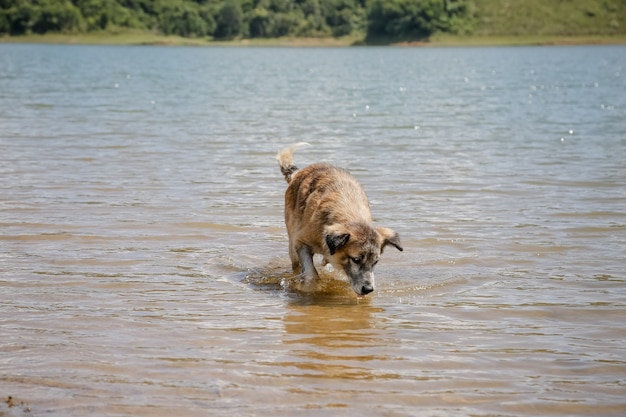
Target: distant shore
<point>147,38</point>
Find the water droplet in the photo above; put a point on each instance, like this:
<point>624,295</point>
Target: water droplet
<point>116,85</point>
<point>571,132</point>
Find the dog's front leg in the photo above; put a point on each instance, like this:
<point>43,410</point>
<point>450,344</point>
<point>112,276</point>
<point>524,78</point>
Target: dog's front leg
<point>309,273</point>
<point>295,259</point>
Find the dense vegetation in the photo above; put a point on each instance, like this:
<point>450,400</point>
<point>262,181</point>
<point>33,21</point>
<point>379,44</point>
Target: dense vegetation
<point>377,20</point>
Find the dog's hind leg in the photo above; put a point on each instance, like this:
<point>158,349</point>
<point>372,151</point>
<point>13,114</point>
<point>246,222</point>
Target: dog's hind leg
<point>309,273</point>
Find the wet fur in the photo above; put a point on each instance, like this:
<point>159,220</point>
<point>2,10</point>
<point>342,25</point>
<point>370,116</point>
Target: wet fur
<point>327,213</point>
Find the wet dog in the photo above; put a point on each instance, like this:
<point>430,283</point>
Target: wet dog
<point>327,213</point>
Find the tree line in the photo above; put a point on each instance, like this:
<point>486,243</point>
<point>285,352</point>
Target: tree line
<point>232,19</point>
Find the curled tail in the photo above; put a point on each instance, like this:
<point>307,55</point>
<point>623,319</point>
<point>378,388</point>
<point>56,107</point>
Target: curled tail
<point>285,160</point>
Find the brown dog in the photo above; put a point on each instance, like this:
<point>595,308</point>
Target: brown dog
<point>327,212</point>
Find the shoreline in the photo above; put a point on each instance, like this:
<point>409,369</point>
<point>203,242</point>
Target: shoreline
<point>438,40</point>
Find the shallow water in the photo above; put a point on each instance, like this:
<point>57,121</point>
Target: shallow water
<point>143,256</point>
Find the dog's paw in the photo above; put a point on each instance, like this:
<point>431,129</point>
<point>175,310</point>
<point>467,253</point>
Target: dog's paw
<point>308,285</point>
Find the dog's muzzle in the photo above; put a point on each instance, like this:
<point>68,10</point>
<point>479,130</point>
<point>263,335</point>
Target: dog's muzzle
<point>367,288</point>
<point>365,285</point>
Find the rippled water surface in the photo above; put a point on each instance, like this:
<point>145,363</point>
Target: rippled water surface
<point>143,256</point>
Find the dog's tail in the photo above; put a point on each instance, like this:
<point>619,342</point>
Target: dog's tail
<point>285,160</point>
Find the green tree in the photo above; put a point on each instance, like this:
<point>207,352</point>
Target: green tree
<point>58,16</point>
<point>261,24</point>
<point>313,22</point>
<point>40,16</point>
<point>229,20</point>
<point>287,23</point>
<point>106,14</point>
<point>409,19</point>
<point>184,19</point>
<point>343,16</point>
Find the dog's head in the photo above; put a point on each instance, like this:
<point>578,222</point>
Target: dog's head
<point>355,249</point>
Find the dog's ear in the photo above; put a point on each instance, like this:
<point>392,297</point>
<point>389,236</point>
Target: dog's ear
<point>335,237</point>
<point>389,238</point>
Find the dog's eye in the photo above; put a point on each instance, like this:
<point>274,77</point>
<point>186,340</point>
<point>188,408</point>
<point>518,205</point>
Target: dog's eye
<point>356,260</point>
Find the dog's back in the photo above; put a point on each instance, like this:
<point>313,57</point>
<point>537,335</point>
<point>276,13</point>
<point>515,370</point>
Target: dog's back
<point>327,194</point>
<point>321,191</point>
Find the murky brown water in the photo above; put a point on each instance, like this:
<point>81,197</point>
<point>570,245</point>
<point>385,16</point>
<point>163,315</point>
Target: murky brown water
<point>143,257</point>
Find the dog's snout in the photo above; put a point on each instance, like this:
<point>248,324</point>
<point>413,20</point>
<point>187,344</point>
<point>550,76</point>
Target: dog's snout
<point>367,288</point>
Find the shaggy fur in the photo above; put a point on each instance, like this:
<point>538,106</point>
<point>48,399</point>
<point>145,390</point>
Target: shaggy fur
<point>327,212</point>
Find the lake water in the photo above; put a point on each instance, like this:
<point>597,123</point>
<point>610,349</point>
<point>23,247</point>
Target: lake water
<point>143,256</point>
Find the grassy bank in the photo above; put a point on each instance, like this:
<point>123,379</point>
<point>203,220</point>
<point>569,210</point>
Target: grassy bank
<point>106,38</point>
<point>525,40</point>
<point>148,38</point>
<point>550,18</point>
